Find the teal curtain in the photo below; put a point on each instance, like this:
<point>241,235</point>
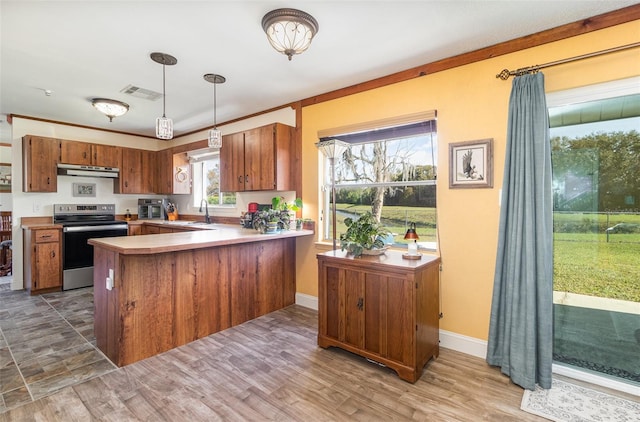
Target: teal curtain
<point>521,325</point>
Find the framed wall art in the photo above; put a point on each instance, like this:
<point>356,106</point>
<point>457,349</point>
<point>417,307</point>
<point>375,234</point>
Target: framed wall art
<point>84,189</point>
<point>471,164</point>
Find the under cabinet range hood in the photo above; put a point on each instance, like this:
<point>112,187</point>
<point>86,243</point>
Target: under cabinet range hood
<point>89,171</point>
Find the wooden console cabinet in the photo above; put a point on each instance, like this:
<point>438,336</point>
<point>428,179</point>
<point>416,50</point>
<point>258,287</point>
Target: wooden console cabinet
<point>384,308</point>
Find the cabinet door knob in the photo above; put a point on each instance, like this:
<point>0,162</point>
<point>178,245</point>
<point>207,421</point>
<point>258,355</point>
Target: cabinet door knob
<point>53,254</point>
<point>240,179</point>
<point>360,303</point>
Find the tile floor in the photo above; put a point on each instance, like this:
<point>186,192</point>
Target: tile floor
<point>46,344</point>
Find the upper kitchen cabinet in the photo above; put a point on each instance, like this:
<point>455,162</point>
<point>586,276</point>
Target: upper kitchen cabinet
<point>40,157</point>
<point>137,172</point>
<point>258,159</point>
<point>173,173</point>
<point>84,153</point>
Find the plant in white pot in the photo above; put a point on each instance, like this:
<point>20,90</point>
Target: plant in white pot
<point>364,235</point>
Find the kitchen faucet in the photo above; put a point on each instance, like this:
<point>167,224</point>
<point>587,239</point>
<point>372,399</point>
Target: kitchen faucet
<point>207,219</point>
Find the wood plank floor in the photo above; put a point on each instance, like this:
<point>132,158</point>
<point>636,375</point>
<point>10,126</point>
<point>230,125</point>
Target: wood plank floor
<point>271,369</point>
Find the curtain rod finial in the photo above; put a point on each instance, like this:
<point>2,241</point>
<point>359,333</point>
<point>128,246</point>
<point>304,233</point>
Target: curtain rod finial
<point>504,75</point>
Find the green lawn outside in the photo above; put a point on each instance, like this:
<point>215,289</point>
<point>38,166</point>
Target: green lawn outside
<point>394,217</point>
<point>584,263</point>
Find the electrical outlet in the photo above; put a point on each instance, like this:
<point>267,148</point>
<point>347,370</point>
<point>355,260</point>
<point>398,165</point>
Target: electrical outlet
<point>36,207</point>
<point>110,279</point>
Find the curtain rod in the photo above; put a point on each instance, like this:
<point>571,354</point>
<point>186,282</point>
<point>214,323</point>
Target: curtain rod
<point>506,73</point>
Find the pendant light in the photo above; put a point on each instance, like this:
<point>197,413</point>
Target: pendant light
<point>215,136</point>
<point>164,125</point>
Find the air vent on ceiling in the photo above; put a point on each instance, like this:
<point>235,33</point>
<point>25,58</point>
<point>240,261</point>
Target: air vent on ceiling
<point>138,92</point>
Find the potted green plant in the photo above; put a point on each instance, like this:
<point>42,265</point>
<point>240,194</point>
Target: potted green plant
<point>271,221</point>
<point>278,203</point>
<point>364,235</point>
<point>290,208</point>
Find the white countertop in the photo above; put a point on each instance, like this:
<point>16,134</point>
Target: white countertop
<point>214,235</point>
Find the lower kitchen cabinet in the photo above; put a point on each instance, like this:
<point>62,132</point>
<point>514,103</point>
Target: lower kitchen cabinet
<point>43,258</point>
<point>163,300</point>
<point>384,308</point>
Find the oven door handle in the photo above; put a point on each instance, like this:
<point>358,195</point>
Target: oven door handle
<point>75,229</point>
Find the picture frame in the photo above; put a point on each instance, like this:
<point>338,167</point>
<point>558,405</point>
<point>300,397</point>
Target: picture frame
<point>5,177</point>
<point>471,164</point>
<point>84,190</point>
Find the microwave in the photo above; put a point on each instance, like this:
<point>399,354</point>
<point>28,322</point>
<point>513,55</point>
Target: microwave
<point>152,209</point>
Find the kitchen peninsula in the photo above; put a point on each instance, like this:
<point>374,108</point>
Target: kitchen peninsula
<point>159,291</point>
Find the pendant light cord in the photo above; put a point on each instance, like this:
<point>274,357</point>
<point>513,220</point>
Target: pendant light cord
<point>215,124</point>
<point>164,93</point>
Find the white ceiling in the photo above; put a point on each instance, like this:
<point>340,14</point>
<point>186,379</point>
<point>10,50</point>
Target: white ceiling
<point>84,49</point>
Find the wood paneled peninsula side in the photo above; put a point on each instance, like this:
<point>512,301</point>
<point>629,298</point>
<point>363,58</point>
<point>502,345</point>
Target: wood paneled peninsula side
<point>159,291</point>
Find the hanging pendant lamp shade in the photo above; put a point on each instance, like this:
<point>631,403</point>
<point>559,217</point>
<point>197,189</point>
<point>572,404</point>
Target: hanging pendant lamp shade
<point>289,31</point>
<point>215,136</point>
<point>164,125</point>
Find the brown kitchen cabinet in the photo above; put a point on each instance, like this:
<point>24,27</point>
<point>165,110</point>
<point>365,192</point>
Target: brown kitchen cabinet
<point>258,159</point>
<point>384,308</point>
<point>40,164</point>
<point>135,229</point>
<point>165,299</point>
<point>43,260</point>
<point>173,173</point>
<point>88,154</point>
<point>137,172</point>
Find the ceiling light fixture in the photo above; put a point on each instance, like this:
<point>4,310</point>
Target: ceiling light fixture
<point>112,108</point>
<point>215,136</point>
<point>289,31</point>
<point>164,125</point>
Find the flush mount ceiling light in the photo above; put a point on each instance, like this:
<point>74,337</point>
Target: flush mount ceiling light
<point>164,125</point>
<point>112,108</point>
<point>289,31</point>
<point>215,136</point>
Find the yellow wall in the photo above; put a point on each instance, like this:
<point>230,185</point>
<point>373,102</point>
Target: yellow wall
<point>472,104</point>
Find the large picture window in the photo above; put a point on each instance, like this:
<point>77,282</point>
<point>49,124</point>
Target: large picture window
<point>390,171</point>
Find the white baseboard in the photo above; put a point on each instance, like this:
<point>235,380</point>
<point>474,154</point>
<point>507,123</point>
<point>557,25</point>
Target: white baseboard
<point>307,301</point>
<point>465,344</point>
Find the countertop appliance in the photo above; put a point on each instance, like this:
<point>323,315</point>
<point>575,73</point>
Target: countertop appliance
<point>152,209</point>
<point>81,222</point>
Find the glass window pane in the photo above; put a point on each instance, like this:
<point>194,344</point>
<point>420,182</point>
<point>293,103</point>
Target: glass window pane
<point>394,179</point>
<point>596,200</point>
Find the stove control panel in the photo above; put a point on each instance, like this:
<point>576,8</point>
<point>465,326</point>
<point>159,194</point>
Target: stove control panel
<point>84,209</point>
